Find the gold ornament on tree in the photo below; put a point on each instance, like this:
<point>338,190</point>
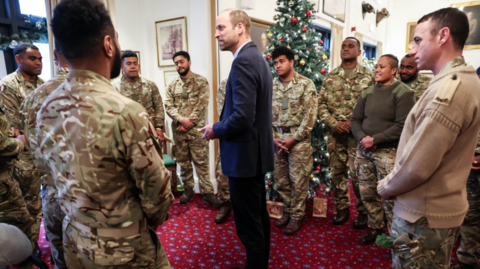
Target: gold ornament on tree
<point>324,57</point>
<point>302,62</point>
<point>269,35</point>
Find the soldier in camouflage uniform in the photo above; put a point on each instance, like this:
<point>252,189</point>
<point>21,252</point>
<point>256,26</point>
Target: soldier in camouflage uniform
<point>14,88</point>
<point>222,180</point>
<point>13,209</point>
<point>338,96</point>
<point>377,123</point>
<point>186,102</point>
<point>469,251</point>
<point>111,181</point>
<point>294,111</point>
<point>410,75</point>
<point>52,213</point>
<point>136,87</point>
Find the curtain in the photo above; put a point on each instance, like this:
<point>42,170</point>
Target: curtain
<point>336,46</point>
<point>379,49</point>
<point>50,5</point>
<point>360,38</point>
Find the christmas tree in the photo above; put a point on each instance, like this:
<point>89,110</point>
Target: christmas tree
<point>292,28</point>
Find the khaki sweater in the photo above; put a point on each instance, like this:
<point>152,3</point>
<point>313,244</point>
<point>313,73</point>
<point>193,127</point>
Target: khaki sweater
<point>436,149</point>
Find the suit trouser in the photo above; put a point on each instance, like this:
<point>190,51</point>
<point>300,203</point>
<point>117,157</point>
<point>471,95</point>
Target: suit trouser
<point>222,182</point>
<point>252,222</point>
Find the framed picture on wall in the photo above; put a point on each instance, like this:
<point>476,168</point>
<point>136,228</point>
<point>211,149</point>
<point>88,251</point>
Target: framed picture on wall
<point>410,34</point>
<point>335,9</point>
<point>472,9</point>
<point>258,33</point>
<point>171,37</point>
<point>169,76</point>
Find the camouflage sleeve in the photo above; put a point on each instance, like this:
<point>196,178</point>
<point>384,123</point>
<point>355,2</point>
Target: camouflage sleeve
<point>116,84</point>
<point>310,104</point>
<point>202,104</point>
<point>132,143</point>
<point>158,106</point>
<point>323,112</point>
<point>10,104</point>
<point>10,146</point>
<point>477,150</point>
<point>170,107</point>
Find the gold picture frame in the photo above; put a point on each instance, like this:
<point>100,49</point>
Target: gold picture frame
<point>171,37</point>
<point>410,35</point>
<point>258,33</point>
<point>472,9</point>
<point>169,76</point>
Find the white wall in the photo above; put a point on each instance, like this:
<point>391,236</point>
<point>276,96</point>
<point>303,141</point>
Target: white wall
<point>136,29</point>
<point>406,11</point>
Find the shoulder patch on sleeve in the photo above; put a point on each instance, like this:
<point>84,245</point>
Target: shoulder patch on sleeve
<point>447,90</point>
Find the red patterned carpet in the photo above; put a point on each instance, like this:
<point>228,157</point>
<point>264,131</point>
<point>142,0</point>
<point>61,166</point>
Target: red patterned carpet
<point>192,240</point>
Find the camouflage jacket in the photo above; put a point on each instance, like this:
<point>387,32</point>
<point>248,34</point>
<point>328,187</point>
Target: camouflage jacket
<point>29,109</point>
<point>419,85</point>
<point>188,99</point>
<point>477,150</point>
<point>13,89</point>
<point>295,106</point>
<point>222,88</point>
<point>339,95</point>
<point>146,93</point>
<point>10,147</point>
<point>97,144</point>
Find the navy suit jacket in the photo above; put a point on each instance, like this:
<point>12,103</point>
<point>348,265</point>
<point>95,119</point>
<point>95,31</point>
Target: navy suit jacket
<point>245,126</point>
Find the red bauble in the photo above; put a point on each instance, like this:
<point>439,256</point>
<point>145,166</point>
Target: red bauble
<point>309,13</point>
<point>320,43</point>
<point>323,70</point>
<point>269,57</point>
<point>294,20</point>
<point>280,40</point>
<point>304,29</point>
<point>319,168</point>
<point>270,184</point>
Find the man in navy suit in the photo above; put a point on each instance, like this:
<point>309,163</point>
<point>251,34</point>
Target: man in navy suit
<point>245,133</point>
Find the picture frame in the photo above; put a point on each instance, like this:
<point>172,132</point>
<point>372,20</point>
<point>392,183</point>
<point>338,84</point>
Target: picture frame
<point>169,76</point>
<point>335,9</point>
<point>258,33</point>
<point>472,9</point>
<point>410,35</point>
<point>171,37</point>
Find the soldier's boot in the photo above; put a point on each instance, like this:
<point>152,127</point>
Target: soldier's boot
<point>283,221</point>
<point>341,217</point>
<point>212,200</point>
<point>371,237</point>
<point>223,213</point>
<point>461,265</point>
<point>187,196</point>
<point>361,221</point>
<point>293,226</point>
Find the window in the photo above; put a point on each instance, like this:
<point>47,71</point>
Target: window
<point>33,7</point>
<point>369,51</point>
<point>326,36</point>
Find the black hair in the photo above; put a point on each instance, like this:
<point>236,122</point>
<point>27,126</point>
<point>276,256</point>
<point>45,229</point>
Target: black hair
<point>452,18</point>
<point>282,50</point>
<point>407,55</point>
<point>80,27</point>
<point>358,41</point>
<point>129,53</point>
<point>22,47</point>
<point>393,60</point>
<point>182,53</point>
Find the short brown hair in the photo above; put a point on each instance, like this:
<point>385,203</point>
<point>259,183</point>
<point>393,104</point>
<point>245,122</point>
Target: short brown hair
<point>453,18</point>
<point>236,16</point>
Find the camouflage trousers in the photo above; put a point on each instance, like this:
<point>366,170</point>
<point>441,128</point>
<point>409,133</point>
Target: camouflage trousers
<point>85,249</point>
<point>342,150</point>
<point>27,176</point>
<point>371,168</point>
<point>52,222</point>
<point>469,250</point>
<point>417,246</point>
<point>222,182</point>
<point>190,147</point>
<point>13,209</point>
<point>292,175</point>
